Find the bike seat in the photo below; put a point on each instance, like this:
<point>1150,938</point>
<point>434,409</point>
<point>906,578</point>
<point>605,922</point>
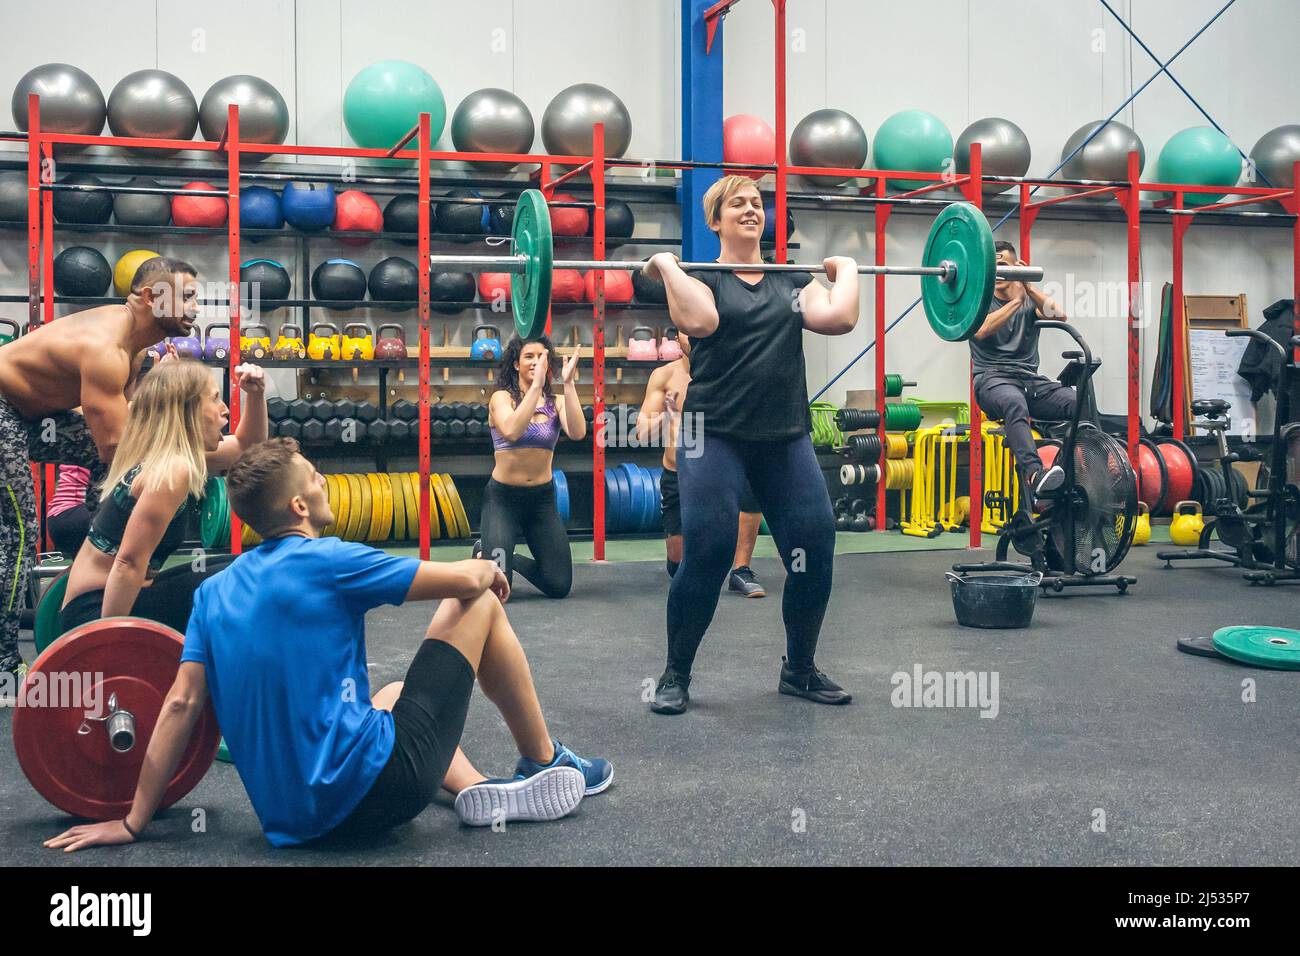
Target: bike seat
<point>1210,407</point>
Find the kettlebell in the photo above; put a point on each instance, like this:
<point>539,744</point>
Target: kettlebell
<point>1142,533</point>
<point>7,337</point>
<point>216,348</point>
<point>486,347</point>
<point>358,348</point>
<point>393,346</point>
<point>843,518</point>
<point>323,348</point>
<point>670,347</point>
<point>861,520</point>
<point>962,511</point>
<point>253,347</point>
<point>289,344</point>
<point>188,346</point>
<point>1187,524</point>
<point>642,346</point>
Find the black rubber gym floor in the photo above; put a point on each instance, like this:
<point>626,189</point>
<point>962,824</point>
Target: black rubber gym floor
<point>1108,746</point>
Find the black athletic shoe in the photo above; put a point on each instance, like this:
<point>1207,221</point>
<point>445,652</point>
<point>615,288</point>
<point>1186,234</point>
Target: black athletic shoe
<point>811,684</point>
<point>1047,480</point>
<point>15,668</point>
<point>477,552</point>
<point>743,582</point>
<point>671,694</point>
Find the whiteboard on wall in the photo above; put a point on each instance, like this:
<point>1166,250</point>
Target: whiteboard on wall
<point>1214,359</point>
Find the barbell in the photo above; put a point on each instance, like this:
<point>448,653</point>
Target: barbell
<point>958,268</point>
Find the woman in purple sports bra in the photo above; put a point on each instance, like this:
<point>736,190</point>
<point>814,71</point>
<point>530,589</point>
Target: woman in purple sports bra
<point>526,419</point>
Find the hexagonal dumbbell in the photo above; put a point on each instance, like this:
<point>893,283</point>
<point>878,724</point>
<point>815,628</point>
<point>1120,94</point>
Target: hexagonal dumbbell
<point>478,411</point>
<point>367,412</point>
<point>456,428</point>
<point>438,431</point>
<point>322,410</point>
<point>399,430</point>
<point>475,429</point>
<point>277,409</point>
<point>346,430</point>
<point>300,410</point>
<point>313,430</point>
<point>345,408</point>
<point>404,411</point>
<point>289,429</point>
<point>378,430</point>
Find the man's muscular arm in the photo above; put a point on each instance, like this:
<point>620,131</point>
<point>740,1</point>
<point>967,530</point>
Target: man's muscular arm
<point>104,377</point>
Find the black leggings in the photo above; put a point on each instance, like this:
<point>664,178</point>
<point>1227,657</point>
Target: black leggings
<point>791,492</point>
<point>68,529</point>
<point>169,600</point>
<point>530,511</point>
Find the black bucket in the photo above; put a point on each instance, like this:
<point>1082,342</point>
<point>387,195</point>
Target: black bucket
<point>994,600</point>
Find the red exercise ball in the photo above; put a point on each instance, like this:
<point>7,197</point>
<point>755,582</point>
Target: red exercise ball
<point>748,139</point>
<point>567,286</point>
<point>199,211</point>
<point>494,287</point>
<point>618,286</point>
<point>356,211</point>
<point>568,221</point>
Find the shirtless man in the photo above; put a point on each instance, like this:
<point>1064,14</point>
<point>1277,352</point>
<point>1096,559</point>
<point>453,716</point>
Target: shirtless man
<point>664,395</point>
<point>87,359</point>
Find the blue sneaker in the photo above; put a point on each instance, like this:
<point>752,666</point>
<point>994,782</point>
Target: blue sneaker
<point>599,774</point>
<point>548,795</point>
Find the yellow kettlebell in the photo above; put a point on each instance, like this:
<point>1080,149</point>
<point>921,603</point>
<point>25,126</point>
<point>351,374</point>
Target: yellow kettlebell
<point>254,347</point>
<point>962,509</point>
<point>1187,524</point>
<point>1142,533</point>
<point>324,347</point>
<point>358,348</point>
<point>289,344</point>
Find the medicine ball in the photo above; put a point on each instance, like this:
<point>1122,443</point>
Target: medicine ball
<point>13,197</point>
<point>308,206</point>
<point>649,291</point>
<point>568,221</point>
<point>197,210</point>
<point>81,270</point>
<point>460,218</point>
<point>76,206</point>
<point>259,208</point>
<point>402,214</point>
<point>501,218</point>
<point>450,287</point>
<point>265,277</point>
<point>142,209</point>
<point>394,280</point>
<point>567,285</point>
<point>338,279</point>
<point>494,287</point>
<point>618,286</point>
<point>354,211</point>
<point>769,221</point>
<point>127,266</point>
<point>619,221</point>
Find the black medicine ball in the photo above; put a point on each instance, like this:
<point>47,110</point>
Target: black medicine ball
<point>81,270</point>
<point>648,291</point>
<point>142,209</point>
<point>402,214</point>
<point>265,277</point>
<point>619,221</point>
<point>71,205</point>
<point>339,279</point>
<point>451,287</point>
<point>394,280</point>
<point>501,219</point>
<point>460,218</point>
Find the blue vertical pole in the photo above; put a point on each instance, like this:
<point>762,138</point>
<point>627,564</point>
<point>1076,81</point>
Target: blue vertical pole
<point>701,128</point>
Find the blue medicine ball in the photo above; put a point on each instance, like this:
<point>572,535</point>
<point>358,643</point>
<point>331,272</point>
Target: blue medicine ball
<point>308,206</point>
<point>259,208</point>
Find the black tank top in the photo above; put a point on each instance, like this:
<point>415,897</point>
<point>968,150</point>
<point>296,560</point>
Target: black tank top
<point>114,512</point>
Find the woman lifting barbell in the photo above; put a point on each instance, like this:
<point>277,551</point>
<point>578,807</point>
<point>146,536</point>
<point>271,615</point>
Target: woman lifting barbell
<point>172,441</point>
<point>525,419</point>
<point>746,417</point>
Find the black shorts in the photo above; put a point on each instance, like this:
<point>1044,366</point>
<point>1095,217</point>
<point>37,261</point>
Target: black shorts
<point>428,720</point>
<point>670,502</point>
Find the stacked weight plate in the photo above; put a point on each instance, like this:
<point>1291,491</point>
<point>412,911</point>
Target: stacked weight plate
<point>632,499</point>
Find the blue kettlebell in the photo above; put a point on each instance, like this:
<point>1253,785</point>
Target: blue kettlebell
<point>486,347</point>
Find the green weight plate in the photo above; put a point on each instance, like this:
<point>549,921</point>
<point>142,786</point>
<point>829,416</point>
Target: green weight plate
<point>530,290</point>
<point>956,308</point>
<point>215,512</point>
<point>223,752</point>
<point>1276,647</point>
<point>45,628</point>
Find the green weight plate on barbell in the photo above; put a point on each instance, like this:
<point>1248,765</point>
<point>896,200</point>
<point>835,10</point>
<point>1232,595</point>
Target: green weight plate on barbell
<point>530,290</point>
<point>45,629</point>
<point>214,513</point>
<point>956,308</point>
<point>1276,647</point>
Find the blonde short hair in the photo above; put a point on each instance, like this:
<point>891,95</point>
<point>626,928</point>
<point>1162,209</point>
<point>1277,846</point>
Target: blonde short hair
<point>719,193</point>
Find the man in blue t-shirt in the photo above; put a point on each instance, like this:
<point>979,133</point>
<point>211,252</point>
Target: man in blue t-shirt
<point>278,641</point>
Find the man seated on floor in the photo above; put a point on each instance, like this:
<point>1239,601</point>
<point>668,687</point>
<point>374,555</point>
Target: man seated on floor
<point>1004,361</point>
<point>278,640</point>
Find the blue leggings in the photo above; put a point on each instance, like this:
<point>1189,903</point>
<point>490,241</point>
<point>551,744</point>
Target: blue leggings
<point>792,493</point>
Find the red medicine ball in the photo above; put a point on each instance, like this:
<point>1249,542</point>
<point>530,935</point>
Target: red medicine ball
<point>567,286</point>
<point>567,221</point>
<point>196,211</point>
<point>618,286</point>
<point>494,287</point>
<point>356,211</point>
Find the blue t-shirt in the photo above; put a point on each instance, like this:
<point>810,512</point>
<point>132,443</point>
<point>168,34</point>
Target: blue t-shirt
<point>281,636</point>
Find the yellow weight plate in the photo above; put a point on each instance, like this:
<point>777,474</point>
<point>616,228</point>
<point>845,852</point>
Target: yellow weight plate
<point>367,509</point>
<point>354,507</point>
<point>344,513</point>
<point>378,525</point>
<point>250,538</point>
<point>329,491</point>
<point>444,506</point>
<point>399,507</point>
<point>412,507</point>
<point>371,520</point>
<point>385,509</point>
<point>457,506</point>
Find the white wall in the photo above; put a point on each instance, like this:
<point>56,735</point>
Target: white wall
<point>1049,65</point>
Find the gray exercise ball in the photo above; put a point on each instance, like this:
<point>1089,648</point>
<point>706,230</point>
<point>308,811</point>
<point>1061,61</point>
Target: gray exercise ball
<point>1004,150</point>
<point>1275,155</point>
<point>1106,155</point>
<point>13,197</point>
<point>492,121</point>
<point>829,138</point>
<point>263,113</point>
<point>71,102</point>
<point>566,124</point>
<point>154,104</point>
<point>142,209</point>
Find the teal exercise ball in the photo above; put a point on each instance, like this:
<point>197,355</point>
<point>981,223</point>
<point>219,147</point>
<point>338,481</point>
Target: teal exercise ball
<point>386,99</point>
<point>1200,156</point>
<point>915,140</point>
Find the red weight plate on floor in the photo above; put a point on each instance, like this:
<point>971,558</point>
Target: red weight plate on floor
<point>62,722</point>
